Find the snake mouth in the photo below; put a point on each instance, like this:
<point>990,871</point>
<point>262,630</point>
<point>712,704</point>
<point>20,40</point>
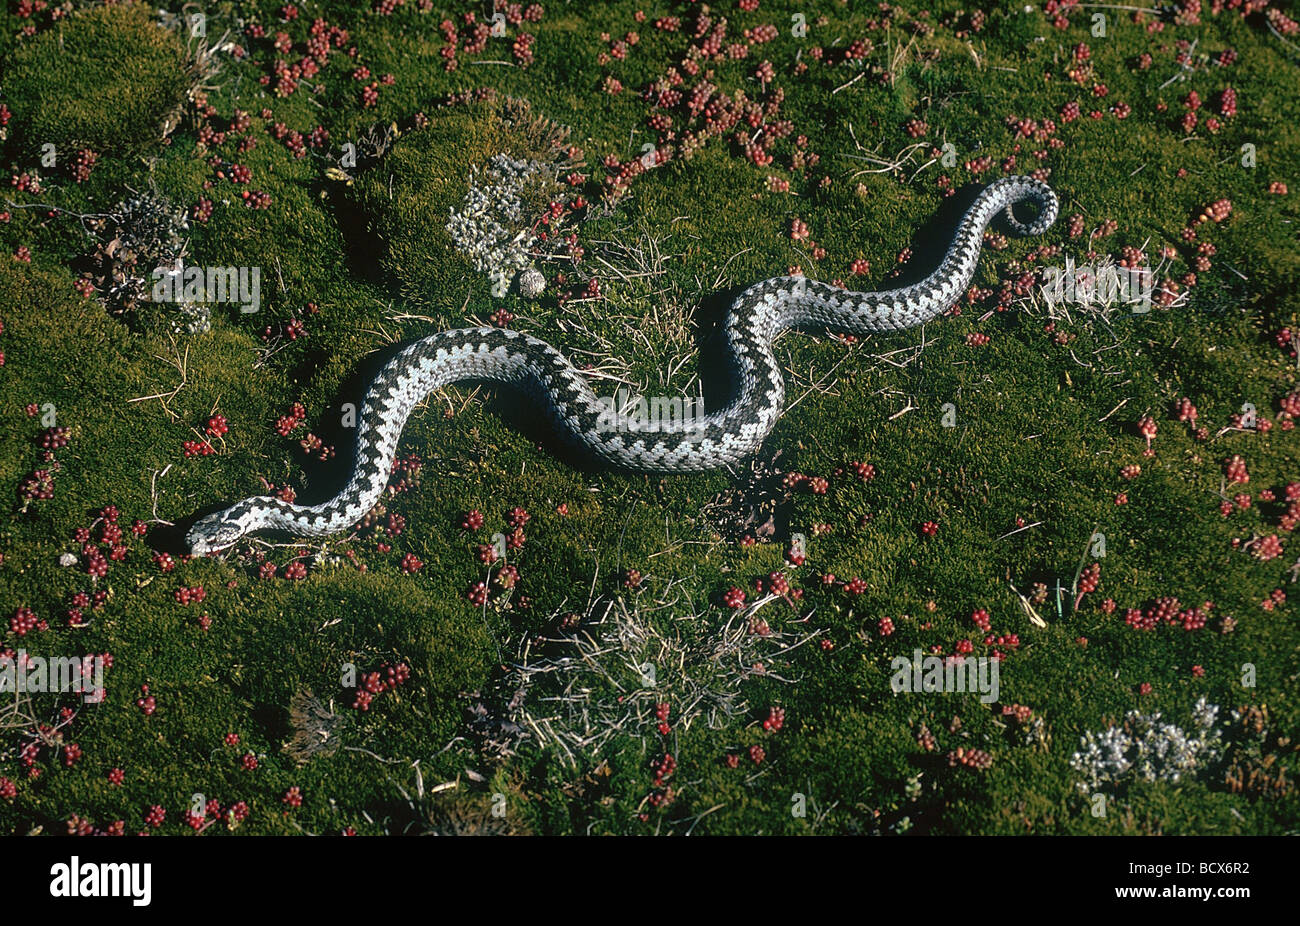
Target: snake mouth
<point>201,547</point>
<point>213,534</point>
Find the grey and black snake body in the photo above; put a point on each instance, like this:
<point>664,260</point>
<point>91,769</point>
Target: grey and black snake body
<point>724,436</point>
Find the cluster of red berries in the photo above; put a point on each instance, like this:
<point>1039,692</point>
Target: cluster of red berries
<point>388,678</point>
<point>286,424</point>
<point>29,755</point>
<point>237,814</point>
<point>1169,611</point>
<point>1089,579</point>
<point>406,474</point>
<point>477,594</point>
<point>24,621</point>
<point>1020,712</point>
<point>865,471</point>
<point>37,485</point>
<point>775,584</point>
<point>658,798</point>
<point>815,484</point>
<point>1275,598</point>
<point>1186,411</point>
<point>146,702</point>
<point>478,38</point>
<point>27,183</point>
<point>663,768</point>
<point>1227,103</point>
<point>52,439</point>
<point>976,759</point>
<point>1269,547</point>
<point>1217,211</point>
<point>217,426</point>
<point>775,719</point>
<point>189,594</point>
<point>662,711</point>
<point>1011,640</point>
<point>1147,428</point>
<point>522,49</point>
<point>314,446</point>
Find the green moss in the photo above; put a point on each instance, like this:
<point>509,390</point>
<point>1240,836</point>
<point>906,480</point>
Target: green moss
<point>104,78</point>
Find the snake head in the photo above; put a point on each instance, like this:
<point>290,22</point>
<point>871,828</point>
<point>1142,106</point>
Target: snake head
<point>215,532</point>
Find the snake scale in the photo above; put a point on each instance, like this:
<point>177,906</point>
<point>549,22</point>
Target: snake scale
<point>722,437</point>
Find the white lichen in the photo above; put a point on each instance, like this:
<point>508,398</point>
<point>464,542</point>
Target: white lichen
<point>1146,748</point>
<point>186,317</point>
<point>194,317</point>
<point>490,227</point>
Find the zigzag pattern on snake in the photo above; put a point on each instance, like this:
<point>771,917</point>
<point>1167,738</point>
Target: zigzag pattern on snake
<point>722,437</point>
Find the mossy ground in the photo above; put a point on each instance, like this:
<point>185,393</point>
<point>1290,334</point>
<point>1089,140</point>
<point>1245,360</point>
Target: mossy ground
<point>1041,432</point>
<point>105,78</point>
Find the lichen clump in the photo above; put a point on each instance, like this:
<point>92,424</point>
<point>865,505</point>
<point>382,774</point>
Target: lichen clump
<point>489,227</point>
<point>464,196</point>
<point>144,233</point>
<point>1147,748</point>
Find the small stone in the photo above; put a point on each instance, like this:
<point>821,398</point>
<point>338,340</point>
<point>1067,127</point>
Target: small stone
<point>531,283</point>
<point>68,559</point>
